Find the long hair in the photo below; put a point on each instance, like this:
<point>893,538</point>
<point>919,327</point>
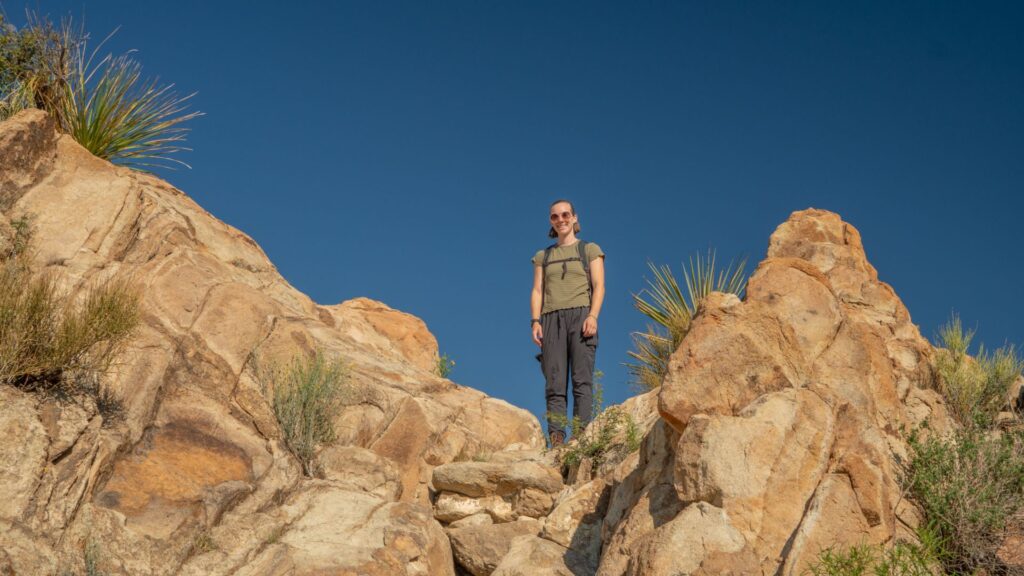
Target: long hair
<point>572,209</point>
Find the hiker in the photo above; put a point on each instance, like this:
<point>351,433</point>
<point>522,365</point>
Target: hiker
<point>568,289</point>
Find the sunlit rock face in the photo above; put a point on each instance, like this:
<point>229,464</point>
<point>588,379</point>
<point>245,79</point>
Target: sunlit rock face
<point>792,405</point>
<point>195,478</point>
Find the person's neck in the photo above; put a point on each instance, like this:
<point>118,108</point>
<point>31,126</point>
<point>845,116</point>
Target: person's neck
<point>569,239</point>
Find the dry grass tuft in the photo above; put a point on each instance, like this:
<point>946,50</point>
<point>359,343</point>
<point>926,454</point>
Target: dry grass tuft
<point>50,341</point>
<point>306,394</point>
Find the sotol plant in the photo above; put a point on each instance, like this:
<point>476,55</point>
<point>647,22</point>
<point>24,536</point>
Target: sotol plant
<point>672,311</point>
<point>102,101</point>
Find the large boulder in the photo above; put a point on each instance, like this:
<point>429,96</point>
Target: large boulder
<point>479,549</point>
<point>794,439</point>
<point>577,519</point>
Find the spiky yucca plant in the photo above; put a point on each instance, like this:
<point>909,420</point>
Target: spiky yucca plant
<point>672,311</point>
<point>102,101</point>
<point>108,108</point>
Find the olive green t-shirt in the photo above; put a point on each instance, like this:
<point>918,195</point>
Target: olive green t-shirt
<point>565,283</point>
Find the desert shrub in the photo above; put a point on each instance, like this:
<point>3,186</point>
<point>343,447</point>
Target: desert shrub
<point>975,389</point>
<point>28,59</point>
<point>306,394</point>
<point>903,558</point>
<point>102,101</point>
<point>969,486</point>
<point>601,437</point>
<point>445,365</point>
<point>52,342</point>
<point>672,311</point>
<point>16,239</point>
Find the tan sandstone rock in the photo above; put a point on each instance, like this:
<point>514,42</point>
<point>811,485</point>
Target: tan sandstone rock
<point>531,502</point>
<point>26,141</point>
<point>476,479</point>
<point>759,467</point>
<point>685,544</point>
<point>23,448</point>
<point>478,519</point>
<point>794,439</point>
<point>479,549</point>
<point>540,557</point>
<point>577,520</point>
<point>360,469</point>
<point>450,507</point>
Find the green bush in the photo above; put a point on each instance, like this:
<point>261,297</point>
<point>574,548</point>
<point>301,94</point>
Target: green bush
<point>30,65</point>
<point>51,342</point>
<point>976,389</point>
<point>969,486</point>
<point>307,394</point>
<point>102,101</point>
<point>444,366</point>
<point>901,559</point>
<point>672,311</point>
<point>601,437</point>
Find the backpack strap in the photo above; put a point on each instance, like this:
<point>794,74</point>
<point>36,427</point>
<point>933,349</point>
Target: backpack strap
<point>544,275</point>
<point>586,267</point>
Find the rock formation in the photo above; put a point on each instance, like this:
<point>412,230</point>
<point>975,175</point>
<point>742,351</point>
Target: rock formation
<point>779,429</point>
<point>785,418</point>
<point>198,456</point>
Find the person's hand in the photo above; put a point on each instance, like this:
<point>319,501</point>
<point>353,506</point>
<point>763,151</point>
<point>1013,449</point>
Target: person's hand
<point>589,326</point>
<point>538,334</point>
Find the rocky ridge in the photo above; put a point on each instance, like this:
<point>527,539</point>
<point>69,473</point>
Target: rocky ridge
<point>778,431</point>
<point>198,456</point>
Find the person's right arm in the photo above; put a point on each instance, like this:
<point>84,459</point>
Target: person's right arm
<point>535,301</point>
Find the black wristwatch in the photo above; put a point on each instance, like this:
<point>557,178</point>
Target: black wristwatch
<point>532,320</point>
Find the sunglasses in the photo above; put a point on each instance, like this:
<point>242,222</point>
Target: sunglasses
<point>564,216</point>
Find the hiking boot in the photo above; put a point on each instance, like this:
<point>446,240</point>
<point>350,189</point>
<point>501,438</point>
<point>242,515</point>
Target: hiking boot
<point>557,438</point>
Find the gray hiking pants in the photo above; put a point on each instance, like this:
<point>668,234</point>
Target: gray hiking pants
<point>564,349</point>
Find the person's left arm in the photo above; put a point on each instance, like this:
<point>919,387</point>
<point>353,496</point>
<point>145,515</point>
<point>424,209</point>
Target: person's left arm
<point>596,296</point>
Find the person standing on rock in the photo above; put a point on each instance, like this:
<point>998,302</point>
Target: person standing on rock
<point>568,289</point>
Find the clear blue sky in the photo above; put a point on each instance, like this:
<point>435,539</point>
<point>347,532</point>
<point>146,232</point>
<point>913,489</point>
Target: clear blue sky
<point>408,151</point>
